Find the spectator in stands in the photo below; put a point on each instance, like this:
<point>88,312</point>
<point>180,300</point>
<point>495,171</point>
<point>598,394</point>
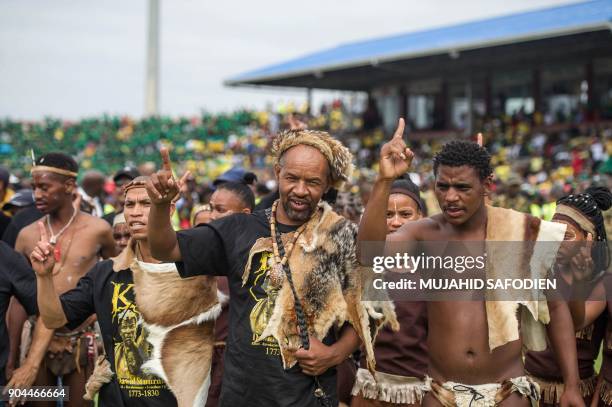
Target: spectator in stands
<point>92,191</point>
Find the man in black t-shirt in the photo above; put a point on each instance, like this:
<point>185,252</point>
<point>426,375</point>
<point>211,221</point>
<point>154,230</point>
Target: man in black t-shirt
<point>108,291</point>
<point>266,363</point>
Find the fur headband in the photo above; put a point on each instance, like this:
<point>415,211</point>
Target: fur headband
<point>141,182</point>
<point>338,156</point>
<point>138,182</point>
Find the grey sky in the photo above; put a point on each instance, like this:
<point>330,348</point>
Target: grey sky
<point>82,58</point>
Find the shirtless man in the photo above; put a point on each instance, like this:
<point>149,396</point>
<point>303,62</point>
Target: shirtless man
<point>458,339</point>
<point>80,240</point>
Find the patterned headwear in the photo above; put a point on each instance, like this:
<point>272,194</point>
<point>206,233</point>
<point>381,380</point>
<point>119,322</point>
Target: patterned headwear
<point>338,156</point>
<point>138,182</point>
<point>141,182</point>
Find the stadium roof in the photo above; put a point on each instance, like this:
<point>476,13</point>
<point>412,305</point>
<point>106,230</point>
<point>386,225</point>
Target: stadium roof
<point>561,21</point>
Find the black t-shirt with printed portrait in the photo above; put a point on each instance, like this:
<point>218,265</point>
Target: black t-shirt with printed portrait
<point>110,295</point>
<point>253,372</point>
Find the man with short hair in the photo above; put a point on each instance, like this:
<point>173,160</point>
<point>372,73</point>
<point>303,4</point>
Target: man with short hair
<point>121,179</point>
<point>92,191</point>
<point>107,290</point>
<point>78,241</point>
<point>291,273</point>
<point>474,346</point>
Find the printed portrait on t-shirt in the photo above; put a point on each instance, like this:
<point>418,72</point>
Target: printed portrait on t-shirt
<point>264,295</point>
<point>133,350</point>
<point>130,345</point>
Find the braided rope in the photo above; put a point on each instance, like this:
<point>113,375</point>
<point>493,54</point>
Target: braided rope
<point>322,398</point>
<point>299,311</point>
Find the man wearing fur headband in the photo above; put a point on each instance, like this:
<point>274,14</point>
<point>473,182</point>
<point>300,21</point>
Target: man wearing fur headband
<point>109,291</point>
<point>475,346</point>
<point>295,309</point>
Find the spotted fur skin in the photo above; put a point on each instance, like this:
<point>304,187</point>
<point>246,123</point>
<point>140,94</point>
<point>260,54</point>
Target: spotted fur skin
<point>180,316</point>
<point>327,280</point>
<point>334,264</point>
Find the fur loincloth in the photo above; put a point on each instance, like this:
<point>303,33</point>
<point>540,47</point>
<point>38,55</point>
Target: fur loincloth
<point>535,260</point>
<point>550,392</point>
<point>452,394</point>
<point>605,392</point>
<point>326,277</point>
<point>388,387</point>
<point>179,315</point>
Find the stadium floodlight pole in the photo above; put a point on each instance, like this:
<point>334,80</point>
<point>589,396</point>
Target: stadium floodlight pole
<point>152,81</point>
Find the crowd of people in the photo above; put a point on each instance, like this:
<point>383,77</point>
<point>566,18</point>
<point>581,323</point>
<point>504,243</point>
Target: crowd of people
<point>535,164</point>
<point>214,261</point>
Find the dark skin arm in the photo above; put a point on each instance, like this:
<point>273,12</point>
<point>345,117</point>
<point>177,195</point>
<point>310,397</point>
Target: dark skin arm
<point>49,305</point>
<point>24,376</point>
<point>584,313</point>
<point>395,160</point>
<point>16,315</point>
<point>563,342</point>
<point>15,318</point>
<point>162,188</point>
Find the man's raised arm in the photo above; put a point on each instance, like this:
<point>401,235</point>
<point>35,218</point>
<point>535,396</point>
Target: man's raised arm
<point>49,305</point>
<point>162,188</point>
<point>395,160</point>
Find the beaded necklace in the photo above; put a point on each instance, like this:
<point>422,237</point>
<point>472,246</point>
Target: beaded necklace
<point>277,273</point>
<point>279,267</point>
<point>54,238</point>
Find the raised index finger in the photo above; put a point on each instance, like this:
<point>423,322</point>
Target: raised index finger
<point>43,232</point>
<point>479,139</point>
<point>165,155</point>
<point>399,132</point>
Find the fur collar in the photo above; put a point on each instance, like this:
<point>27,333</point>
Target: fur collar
<point>531,260</point>
<point>326,277</point>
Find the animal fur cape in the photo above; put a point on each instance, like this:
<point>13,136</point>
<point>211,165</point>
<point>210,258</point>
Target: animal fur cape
<point>534,259</point>
<point>179,315</point>
<point>326,276</point>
